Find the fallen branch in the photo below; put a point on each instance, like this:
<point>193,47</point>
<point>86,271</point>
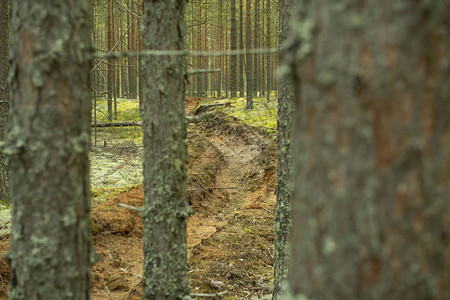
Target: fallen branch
<point>117,124</point>
<point>192,119</point>
<point>138,209</point>
<point>214,188</point>
<point>206,106</point>
<point>209,295</point>
<point>200,71</point>
<point>189,119</point>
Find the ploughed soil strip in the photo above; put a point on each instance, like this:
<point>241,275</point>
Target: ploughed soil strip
<point>231,183</point>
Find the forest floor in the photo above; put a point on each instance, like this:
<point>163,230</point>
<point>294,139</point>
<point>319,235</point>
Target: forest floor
<point>231,184</point>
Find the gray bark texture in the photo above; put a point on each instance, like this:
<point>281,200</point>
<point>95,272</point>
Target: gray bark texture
<point>4,95</point>
<point>50,249</point>
<point>285,124</point>
<point>165,210</point>
<point>371,210</point>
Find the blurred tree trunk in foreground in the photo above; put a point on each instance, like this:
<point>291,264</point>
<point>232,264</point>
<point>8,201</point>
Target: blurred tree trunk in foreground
<point>371,214</point>
<point>50,250</point>
<point>165,209</point>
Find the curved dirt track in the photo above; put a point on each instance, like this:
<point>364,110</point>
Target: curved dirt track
<point>231,182</point>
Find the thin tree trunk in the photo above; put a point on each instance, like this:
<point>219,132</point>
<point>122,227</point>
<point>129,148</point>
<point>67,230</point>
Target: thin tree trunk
<point>226,77</point>
<point>110,61</point>
<point>165,209</point>
<point>199,48</point>
<point>205,48</point>
<point>4,95</point>
<point>249,57</point>
<point>371,214</point>
<point>50,251</point>
<point>233,46</point>
<point>141,74</point>
<point>219,78</point>
<point>241,47</point>
<point>268,33</point>
<point>255,45</point>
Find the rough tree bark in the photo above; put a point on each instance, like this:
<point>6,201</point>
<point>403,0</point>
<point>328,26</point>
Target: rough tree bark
<point>285,123</point>
<point>4,94</point>
<point>50,250</point>
<point>165,209</point>
<point>371,214</point>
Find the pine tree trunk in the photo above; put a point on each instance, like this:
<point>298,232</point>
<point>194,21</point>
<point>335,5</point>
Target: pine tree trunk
<point>255,46</point>
<point>4,95</point>
<point>241,47</point>
<point>268,61</point>
<point>199,48</point>
<point>165,209</point>
<point>50,250</point>
<point>233,46</point>
<point>249,57</point>
<point>283,209</point>
<point>220,74</point>
<point>110,61</point>
<point>371,214</point>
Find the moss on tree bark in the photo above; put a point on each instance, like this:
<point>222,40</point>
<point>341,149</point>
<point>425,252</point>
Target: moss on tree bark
<point>165,210</point>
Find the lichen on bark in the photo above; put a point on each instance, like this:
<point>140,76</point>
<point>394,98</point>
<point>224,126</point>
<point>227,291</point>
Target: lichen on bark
<point>165,210</point>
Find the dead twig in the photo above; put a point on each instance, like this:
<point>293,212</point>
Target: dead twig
<point>209,295</point>
<point>138,209</point>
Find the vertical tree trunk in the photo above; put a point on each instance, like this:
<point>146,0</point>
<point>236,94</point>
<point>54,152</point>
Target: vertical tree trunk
<point>283,209</point>
<point>249,56</point>
<point>220,74</point>
<point>241,47</point>
<point>117,40</point>
<point>199,48</point>
<point>129,48</point>
<point>205,48</point>
<point>4,95</point>
<point>193,78</point>
<point>50,250</point>
<point>141,74</point>
<point>261,41</point>
<point>268,63</point>
<point>255,45</point>
<point>371,215</point>
<point>226,77</point>
<point>110,61</point>
<point>233,46</point>
<point>165,209</point>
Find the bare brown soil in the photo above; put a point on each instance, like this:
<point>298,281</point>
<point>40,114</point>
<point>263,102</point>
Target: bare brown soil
<point>231,182</point>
